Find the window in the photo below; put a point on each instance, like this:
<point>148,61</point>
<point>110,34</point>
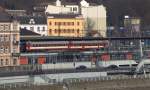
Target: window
<point>43,28</point>
<point>58,23</point>
<point>75,9</point>
<point>50,23</point>
<point>14,49</point>
<point>6,50</point>
<point>6,61</point>
<point>72,23</point>
<point>32,28</point>
<point>64,30</point>
<point>1,27</point>
<point>55,23</point>
<point>14,37</point>
<point>38,29</point>
<point>78,31</point>
<point>70,9</point>
<point>7,38</point>
<point>7,27</point>
<point>14,61</point>
<point>72,30</point>
<point>78,23</point>
<point>68,30</point>
<point>1,62</point>
<point>50,31</point>
<point>15,26</point>
<point>1,49</point>
<point>68,23</point>
<point>1,38</point>
<point>55,30</point>
<point>64,23</point>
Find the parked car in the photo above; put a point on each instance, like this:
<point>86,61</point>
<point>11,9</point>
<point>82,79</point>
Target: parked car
<point>81,67</point>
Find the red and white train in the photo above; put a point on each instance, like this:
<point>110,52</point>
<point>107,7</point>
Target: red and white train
<point>65,45</point>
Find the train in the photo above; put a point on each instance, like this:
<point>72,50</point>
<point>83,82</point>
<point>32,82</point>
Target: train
<point>72,60</point>
<point>56,61</point>
<point>42,46</point>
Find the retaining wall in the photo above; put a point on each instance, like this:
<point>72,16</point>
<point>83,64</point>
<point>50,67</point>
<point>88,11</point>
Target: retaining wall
<point>114,84</point>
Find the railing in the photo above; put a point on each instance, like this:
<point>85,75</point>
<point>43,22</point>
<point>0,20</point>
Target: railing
<point>96,79</point>
<point>72,81</point>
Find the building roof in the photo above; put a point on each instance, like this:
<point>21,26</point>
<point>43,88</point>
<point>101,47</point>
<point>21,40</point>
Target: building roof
<point>4,17</point>
<point>70,3</point>
<point>63,15</point>
<point>2,8</point>
<point>37,19</point>
<point>25,32</point>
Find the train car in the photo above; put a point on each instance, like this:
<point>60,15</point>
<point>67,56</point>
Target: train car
<point>64,45</point>
<point>56,60</point>
<point>117,63</point>
<point>67,65</point>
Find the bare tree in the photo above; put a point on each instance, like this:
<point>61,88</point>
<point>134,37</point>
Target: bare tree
<point>89,26</point>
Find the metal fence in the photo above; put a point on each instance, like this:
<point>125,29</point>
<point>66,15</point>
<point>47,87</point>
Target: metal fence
<point>72,81</point>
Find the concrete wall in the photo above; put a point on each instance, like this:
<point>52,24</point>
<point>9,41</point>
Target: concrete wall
<point>126,84</point>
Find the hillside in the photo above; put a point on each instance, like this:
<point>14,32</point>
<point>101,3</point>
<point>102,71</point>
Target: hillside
<point>116,8</point>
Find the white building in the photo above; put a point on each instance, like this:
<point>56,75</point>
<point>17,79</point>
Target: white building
<point>95,16</point>
<point>35,24</point>
<point>51,9</point>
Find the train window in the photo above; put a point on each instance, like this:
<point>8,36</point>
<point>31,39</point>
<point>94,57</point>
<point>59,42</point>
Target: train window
<point>126,65</point>
<point>35,45</point>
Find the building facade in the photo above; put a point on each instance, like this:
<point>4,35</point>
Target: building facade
<point>94,15</point>
<point>16,12</point>
<point>132,26</point>
<point>65,25</point>
<point>35,24</point>
<point>9,39</point>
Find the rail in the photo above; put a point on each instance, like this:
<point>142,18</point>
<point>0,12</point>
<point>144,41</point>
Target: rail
<point>72,81</point>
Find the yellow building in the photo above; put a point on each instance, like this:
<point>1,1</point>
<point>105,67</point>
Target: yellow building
<point>65,25</point>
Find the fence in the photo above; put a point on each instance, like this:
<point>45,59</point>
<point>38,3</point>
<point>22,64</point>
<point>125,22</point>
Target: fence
<point>73,80</point>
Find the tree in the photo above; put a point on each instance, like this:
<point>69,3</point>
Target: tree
<point>89,26</point>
